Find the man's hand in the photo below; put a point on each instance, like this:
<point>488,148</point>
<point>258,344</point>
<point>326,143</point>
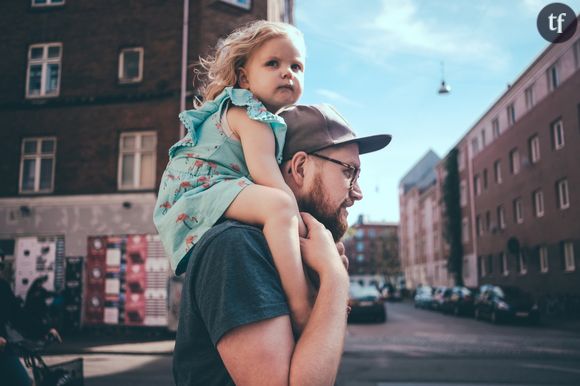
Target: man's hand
<point>318,250</point>
<point>3,343</point>
<point>341,252</point>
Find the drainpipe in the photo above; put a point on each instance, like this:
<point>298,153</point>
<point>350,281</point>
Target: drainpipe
<point>184,45</point>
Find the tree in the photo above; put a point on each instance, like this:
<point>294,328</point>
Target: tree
<point>452,233</point>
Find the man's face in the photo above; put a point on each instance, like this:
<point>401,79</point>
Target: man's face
<point>328,193</point>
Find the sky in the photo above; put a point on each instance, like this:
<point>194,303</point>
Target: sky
<point>380,63</point>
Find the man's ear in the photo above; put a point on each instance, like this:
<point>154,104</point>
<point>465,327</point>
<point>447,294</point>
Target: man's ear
<point>297,167</point>
<point>243,78</point>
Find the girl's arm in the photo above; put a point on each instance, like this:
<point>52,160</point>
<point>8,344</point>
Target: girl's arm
<point>259,147</point>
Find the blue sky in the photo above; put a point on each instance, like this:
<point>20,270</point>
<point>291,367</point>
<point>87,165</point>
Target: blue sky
<point>379,63</point>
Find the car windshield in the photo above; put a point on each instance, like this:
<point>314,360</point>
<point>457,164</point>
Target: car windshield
<point>511,293</point>
<point>363,293</point>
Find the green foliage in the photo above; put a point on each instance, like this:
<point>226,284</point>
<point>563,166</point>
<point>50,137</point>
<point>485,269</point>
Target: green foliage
<point>452,230</point>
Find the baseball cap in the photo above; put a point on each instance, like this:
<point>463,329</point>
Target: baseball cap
<point>316,127</point>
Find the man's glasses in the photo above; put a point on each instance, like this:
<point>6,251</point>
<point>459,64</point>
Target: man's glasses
<point>354,171</point>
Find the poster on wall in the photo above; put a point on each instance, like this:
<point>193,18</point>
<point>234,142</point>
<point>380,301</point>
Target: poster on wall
<point>35,257</point>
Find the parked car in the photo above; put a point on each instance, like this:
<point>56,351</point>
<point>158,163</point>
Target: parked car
<point>391,293</point>
<point>459,301</point>
<point>424,297</point>
<point>505,303</point>
<point>366,303</point>
<point>439,297</point>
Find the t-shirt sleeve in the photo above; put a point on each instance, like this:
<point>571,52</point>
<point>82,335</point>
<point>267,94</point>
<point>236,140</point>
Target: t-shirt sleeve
<point>237,282</point>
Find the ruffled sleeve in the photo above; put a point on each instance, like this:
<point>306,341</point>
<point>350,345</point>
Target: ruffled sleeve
<point>258,112</point>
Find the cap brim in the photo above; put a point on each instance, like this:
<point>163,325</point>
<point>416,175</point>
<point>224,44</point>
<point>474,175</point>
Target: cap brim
<point>370,143</point>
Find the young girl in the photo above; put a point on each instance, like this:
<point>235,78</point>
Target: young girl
<point>227,164</point>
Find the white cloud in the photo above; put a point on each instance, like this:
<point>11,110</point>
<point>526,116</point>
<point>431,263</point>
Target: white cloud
<point>336,97</point>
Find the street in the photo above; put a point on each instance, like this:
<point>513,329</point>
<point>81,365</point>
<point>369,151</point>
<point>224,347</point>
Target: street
<point>414,347</point>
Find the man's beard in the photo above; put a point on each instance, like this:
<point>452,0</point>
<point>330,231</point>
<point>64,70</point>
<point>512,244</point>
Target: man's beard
<point>316,204</point>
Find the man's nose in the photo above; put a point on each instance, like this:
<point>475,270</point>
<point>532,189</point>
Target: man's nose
<point>356,192</point>
<point>287,73</point>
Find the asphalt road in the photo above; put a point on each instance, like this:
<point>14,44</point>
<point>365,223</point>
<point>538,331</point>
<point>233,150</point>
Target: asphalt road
<point>414,347</point>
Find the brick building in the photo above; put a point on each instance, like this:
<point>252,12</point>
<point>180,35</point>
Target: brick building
<point>373,249</point>
<point>89,102</point>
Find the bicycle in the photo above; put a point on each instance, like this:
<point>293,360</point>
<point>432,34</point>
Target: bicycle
<point>69,373</point>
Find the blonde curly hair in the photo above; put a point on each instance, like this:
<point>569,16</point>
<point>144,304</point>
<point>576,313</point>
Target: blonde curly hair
<point>221,70</point>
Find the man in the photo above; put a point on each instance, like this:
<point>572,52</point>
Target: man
<point>234,325</point>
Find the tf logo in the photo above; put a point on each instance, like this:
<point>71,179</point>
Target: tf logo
<point>557,22</point>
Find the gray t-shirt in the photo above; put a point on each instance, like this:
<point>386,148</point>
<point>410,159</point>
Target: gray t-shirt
<point>230,281</point>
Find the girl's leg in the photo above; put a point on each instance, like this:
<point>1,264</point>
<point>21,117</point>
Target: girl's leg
<point>275,210</point>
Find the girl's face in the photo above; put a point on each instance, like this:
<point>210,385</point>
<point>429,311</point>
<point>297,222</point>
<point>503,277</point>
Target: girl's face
<point>274,72</point>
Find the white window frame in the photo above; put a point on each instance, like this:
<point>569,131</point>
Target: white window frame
<point>477,184</point>
<point>558,134</point>
<point>535,149</point>
<point>501,217</point>
<point>543,254</point>
<point>511,114</point>
<point>538,198</point>
<point>495,132</point>
<point>515,161</point>
<point>49,3</point>
<point>563,194</point>
<point>37,156</point>
<point>518,211</point>
<point>138,152</point>
<point>122,76</point>
<point>497,171</point>
<point>553,77</point>
<point>523,263</point>
<point>569,258</point>
<point>504,264</point>
<point>529,96</point>
<point>44,61</point>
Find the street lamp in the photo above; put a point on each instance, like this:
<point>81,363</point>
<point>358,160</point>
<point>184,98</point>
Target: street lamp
<point>444,88</point>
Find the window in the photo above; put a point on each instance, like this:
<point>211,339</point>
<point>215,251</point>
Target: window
<point>482,138</point>
<point>37,165</point>
<point>543,253</point>
<point>477,185</point>
<point>553,78</point>
<point>515,161</point>
<point>484,179</point>
<point>518,211</point>
<point>529,93</point>
<point>487,220</point>
<point>465,229</point>
<point>372,233</point>
<point>538,198</point>
<point>137,160</point>
<point>511,114</point>
<point>360,257</point>
<point>569,258</point>
<point>360,233</point>
<point>522,263</point>
<point>46,3</point>
<point>475,145</point>
<point>131,65</point>
<point>43,71</point>
<point>534,144</point>
<point>503,264</point>
<point>497,171</point>
<point>482,266</point>
<point>462,193</point>
<point>558,134</point>
<point>478,225</point>
<point>360,246</point>
<point>495,128</point>
<point>563,197</point>
<point>461,159</point>
<point>489,269</point>
<point>500,217</point>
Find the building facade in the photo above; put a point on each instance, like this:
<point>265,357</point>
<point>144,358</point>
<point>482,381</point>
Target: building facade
<point>89,102</point>
<point>373,251</point>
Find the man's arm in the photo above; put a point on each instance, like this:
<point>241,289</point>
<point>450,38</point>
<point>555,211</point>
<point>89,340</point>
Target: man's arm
<point>264,353</point>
